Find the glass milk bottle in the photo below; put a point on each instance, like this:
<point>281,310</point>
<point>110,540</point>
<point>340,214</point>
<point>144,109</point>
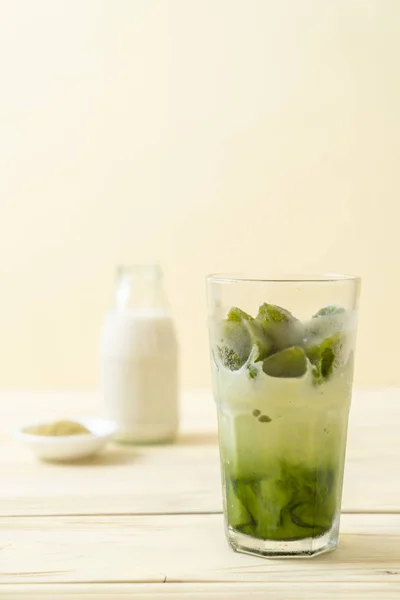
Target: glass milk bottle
<point>139,359</point>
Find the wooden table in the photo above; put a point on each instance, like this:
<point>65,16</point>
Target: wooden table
<point>146,522</point>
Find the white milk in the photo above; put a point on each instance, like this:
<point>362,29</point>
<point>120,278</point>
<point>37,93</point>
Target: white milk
<point>139,371</point>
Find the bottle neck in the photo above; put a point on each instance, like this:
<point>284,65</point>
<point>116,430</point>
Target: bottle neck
<point>140,288</point>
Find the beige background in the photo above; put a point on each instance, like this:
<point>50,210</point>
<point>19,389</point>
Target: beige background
<point>210,135</point>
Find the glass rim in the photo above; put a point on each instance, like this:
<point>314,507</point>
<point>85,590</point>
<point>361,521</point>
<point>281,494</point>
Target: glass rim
<point>283,278</point>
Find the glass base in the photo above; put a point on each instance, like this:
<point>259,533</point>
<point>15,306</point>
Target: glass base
<point>240,542</point>
<point>146,434</point>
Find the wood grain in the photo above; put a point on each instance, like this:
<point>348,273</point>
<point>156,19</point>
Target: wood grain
<point>182,478</point>
<point>204,591</point>
<point>183,548</point>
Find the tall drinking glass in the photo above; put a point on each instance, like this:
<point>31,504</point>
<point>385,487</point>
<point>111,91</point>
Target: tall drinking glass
<point>282,354</point>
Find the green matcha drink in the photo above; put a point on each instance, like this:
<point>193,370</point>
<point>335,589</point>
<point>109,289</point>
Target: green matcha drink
<point>283,389</point>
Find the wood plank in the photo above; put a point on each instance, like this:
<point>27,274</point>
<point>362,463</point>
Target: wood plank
<point>182,478</point>
<point>185,548</point>
<point>201,591</point>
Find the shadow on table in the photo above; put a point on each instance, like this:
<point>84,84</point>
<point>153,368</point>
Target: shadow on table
<point>108,458</point>
<point>355,548</point>
<point>125,454</point>
<point>354,554</point>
